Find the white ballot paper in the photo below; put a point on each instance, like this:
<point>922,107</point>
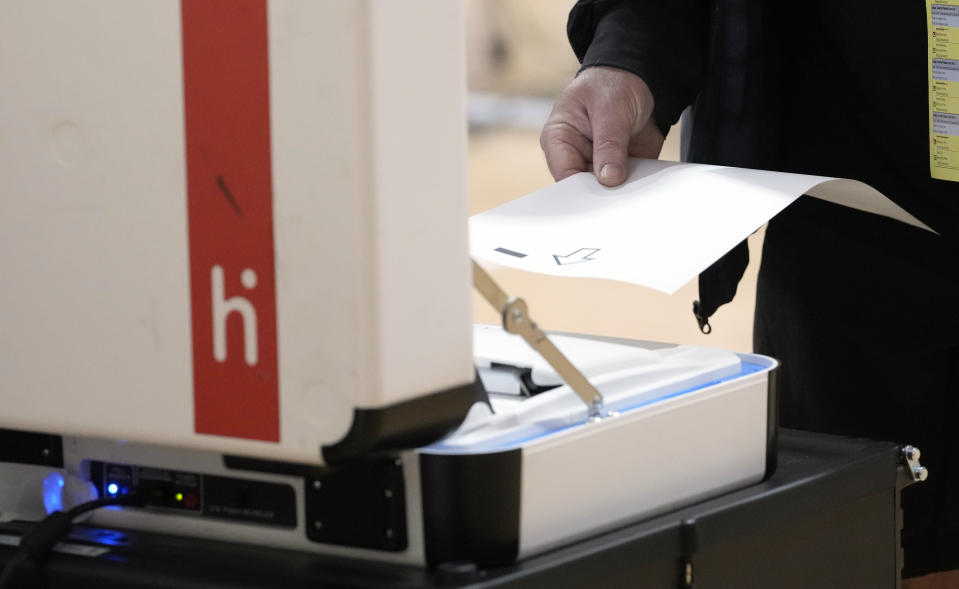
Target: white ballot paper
<point>667,223</point>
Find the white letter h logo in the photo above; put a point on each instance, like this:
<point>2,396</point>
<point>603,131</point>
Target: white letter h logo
<point>222,308</point>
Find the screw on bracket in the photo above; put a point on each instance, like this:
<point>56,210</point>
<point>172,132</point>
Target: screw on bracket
<point>910,455</point>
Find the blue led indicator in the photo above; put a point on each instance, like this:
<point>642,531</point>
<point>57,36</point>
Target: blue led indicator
<point>112,488</point>
<point>53,492</point>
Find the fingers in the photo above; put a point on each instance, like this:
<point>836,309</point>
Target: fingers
<point>610,143</point>
<point>619,113</point>
<point>598,120</point>
<point>566,147</point>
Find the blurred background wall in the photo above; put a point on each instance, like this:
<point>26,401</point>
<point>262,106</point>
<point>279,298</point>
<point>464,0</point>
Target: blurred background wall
<point>518,61</point>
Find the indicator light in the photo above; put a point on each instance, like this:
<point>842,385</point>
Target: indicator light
<point>179,496</point>
<point>61,491</point>
<point>53,492</point>
<point>112,488</point>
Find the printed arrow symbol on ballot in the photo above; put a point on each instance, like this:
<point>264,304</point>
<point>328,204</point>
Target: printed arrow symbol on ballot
<point>581,255</point>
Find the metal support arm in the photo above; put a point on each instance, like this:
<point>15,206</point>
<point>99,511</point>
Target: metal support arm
<point>516,319</point>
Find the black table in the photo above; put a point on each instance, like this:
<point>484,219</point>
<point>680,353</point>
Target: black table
<point>828,517</point>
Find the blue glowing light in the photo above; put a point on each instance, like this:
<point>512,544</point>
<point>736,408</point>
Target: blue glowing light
<point>112,488</point>
<point>53,492</point>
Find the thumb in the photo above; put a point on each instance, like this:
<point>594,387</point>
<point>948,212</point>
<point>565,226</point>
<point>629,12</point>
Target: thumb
<point>610,145</point>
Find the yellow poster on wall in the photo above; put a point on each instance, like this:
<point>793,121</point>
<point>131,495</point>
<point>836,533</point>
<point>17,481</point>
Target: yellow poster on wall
<point>942,24</point>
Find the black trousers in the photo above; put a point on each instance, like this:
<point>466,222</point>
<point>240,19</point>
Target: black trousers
<point>863,313</point>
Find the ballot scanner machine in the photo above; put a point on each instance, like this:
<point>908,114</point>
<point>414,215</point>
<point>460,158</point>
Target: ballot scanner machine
<point>236,281</point>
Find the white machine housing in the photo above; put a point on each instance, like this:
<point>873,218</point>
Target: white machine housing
<point>367,155</point>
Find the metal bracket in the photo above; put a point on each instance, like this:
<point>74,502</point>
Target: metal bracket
<point>910,456</point>
<point>516,319</point>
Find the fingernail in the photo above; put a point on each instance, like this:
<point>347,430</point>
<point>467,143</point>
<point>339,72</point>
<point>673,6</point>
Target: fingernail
<point>611,174</point>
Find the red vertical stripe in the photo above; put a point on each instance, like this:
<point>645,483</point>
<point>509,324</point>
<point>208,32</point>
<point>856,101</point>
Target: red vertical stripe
<point>229,193</point>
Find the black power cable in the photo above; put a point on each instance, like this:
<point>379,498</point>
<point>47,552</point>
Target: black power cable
<point>39,540</point>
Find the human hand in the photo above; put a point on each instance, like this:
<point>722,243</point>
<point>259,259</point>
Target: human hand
<point>600,118</point>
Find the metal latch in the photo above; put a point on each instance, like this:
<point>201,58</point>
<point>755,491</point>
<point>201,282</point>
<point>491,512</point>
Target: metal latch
<point>910,455</point>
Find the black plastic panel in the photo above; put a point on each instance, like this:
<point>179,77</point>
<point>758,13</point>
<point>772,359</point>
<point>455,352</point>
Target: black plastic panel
<point>31,448</point>
<point>250,501</point>
<point>471,507</point>
<point>235,499</point>
<point>772,422</point>
<point>361,504</point>
<point>169,489</point>
<point>411,424</point>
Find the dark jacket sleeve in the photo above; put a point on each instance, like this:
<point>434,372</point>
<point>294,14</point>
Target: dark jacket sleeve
<point>661,41</point>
